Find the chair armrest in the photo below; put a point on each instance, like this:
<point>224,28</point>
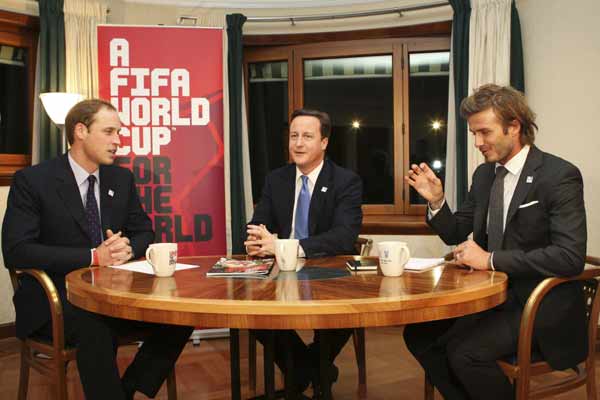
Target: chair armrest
<point>534,301</point>
<point>56,309</point>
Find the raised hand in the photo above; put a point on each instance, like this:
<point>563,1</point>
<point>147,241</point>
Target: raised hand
<point>426,183</point>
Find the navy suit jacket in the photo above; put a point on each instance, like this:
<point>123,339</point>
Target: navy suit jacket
<point>45,228</point>
<point>335,214</point>
<point>545,235</point>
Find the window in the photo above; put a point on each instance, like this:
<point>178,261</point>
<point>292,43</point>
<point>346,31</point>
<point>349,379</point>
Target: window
<point>18,45</point>
<point>387,99</point>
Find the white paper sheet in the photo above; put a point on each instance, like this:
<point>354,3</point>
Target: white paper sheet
<point>422,264</point>
<point>146,268</point>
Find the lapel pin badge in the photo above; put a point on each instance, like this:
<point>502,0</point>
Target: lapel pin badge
<point>324,189</point>
<point>529,179</point>
<point>111,193</point>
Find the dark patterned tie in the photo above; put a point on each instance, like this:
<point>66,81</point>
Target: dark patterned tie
<point>302,207</point>
<point>91,213</point>
<point>496,211</point>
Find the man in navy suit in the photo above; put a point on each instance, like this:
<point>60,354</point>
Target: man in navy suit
<point>319,203</point>
<point>527,215</point>
<point>78,210</point>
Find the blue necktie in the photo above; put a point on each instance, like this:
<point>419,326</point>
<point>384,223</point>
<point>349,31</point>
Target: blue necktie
<point>302,207</point>
<point>91,213</point>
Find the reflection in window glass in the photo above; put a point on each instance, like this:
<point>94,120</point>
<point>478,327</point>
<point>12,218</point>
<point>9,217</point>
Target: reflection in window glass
<point>428,105</point>
<point>267,120</point>
<point>357,92</point>
<point>14,129</point>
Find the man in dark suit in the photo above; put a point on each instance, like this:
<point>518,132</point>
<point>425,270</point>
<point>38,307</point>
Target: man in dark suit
<point>527,215</point>
<point>319,203</point>
<point>78,210</point>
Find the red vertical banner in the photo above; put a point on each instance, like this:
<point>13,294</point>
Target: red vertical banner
<point>167,84</point>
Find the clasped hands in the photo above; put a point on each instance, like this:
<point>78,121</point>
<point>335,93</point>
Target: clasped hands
<point>115,250</point>
<point>260,241</point>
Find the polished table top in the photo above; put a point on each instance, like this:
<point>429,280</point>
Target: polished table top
<point>284,300</point>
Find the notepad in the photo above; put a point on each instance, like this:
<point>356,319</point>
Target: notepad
<point>422,264</point>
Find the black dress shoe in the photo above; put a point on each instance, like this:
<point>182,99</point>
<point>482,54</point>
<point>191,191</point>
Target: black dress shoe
<point>332,376</point>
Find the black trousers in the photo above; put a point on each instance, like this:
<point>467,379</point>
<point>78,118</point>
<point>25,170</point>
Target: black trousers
<point>306,357</point>
<point>95,337</point>
<point>459,355</point>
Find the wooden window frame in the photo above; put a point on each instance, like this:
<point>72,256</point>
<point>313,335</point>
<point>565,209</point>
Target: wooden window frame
<point>400,217</point>
<point>20,30</point>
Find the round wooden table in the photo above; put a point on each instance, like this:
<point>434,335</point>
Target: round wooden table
<point>284,300</point>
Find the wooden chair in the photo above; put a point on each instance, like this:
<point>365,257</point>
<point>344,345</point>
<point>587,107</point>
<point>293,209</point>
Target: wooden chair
<point>56,355</point>
<point>523,368</point>
<point>363,247</point>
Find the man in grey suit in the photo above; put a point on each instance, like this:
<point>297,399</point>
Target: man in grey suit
<point>78,210</point>
<point>526,211</point>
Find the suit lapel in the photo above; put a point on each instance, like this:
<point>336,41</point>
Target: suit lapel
<point>527,177</point>
<point>319,194</point>
<point>69,192</point>
<point>105,198</point>
<point>287,198</point>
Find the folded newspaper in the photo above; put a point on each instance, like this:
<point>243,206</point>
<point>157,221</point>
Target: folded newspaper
<point>242,268</point>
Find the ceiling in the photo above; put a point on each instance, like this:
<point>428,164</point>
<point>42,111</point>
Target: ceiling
<point>273,4</point>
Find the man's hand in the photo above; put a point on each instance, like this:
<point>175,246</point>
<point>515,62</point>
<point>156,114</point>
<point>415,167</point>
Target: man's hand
<point>427,184</point>
<point>115,250</point>
<point>260,241</point>
<point>470,254</point>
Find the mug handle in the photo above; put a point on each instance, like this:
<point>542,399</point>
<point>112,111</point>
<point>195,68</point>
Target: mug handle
<point>404,250</point>
<point>148,257</point>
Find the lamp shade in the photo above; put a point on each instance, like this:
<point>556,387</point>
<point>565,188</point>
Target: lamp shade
<point>58,104</point>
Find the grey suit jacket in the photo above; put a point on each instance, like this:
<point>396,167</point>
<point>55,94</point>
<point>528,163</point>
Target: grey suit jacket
<point>45,228</point>
<point>545,235</point>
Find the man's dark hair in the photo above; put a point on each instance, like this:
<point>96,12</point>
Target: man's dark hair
<point>84,112</point>
<point>508,104</point>
<point>323,118</point>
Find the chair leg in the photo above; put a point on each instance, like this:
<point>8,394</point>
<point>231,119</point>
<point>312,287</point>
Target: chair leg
<point>61,379</point>
<point>171,385</point>
<point>358,338</point>
<point>522,388</point>
<point>24,372</point>
<point>590,383</point>
<point>252,360</point>
<point>429,390</point>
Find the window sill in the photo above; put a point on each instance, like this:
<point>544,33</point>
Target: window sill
<point>395,225</point>
<point>11,163</point>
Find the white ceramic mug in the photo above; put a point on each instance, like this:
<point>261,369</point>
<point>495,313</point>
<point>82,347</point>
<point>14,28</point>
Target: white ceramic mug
<point>163,258</point>
<point>286,254</point>
<point>392,257</point>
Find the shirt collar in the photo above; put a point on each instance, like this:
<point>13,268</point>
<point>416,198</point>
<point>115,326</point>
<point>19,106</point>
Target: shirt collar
<point>80,173</point>
<point>312,175</point>
<point>515,164</point>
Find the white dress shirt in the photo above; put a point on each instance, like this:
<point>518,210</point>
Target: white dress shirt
<point>312,181</point>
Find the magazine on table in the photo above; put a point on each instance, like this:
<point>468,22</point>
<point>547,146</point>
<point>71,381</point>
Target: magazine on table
<point>259,268</point>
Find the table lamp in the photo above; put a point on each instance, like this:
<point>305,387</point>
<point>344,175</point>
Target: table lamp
<point>57,105</point>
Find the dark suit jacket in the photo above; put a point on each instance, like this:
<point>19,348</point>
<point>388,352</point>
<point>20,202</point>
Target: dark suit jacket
<point>45,228</point>
<point>335,214</point>
<point>544,239</point>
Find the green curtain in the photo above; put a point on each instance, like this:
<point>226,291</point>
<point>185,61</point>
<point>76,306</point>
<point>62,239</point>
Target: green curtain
<point>235,23</point>
<point>517,71</point>
<point>52,71</point>
<point>460,59</point>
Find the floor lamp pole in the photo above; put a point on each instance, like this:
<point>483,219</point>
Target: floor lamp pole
<point>63,139</point>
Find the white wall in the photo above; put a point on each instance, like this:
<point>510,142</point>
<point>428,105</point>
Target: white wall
<point>561,46</point>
